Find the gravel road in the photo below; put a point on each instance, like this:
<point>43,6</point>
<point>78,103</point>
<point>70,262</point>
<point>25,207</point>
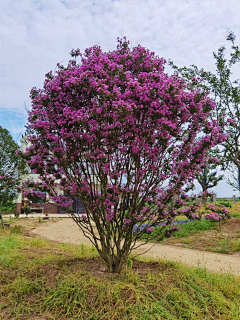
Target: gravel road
<point>67,231</point>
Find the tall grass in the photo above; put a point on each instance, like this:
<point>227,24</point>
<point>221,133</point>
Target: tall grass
<point>194,227</point>
<point>61,281</point>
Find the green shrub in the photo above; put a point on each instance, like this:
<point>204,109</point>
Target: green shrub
<point>226,204</point>
<point>17,229</point>
<point>194,227</point>
<point>16,214</point>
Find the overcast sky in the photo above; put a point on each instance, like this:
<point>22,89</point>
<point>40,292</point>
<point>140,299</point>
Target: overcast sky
<point>37,34</point>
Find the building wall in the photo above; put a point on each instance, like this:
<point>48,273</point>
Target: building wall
<point>49,206</point>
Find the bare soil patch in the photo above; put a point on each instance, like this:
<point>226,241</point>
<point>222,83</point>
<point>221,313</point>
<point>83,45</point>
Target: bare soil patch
<point>224,240</point>
<point>31,223</point>
<point>232,227</point>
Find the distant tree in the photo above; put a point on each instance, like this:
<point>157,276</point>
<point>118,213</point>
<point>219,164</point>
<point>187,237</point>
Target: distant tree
<point>225,92</point>
<point>208,179</point>
<point>233,177</point>
<point>119,121</point>
<point>210,176</point>
<point>9,166</point>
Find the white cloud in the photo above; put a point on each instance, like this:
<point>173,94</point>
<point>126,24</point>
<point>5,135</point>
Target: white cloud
<point>35,35</point>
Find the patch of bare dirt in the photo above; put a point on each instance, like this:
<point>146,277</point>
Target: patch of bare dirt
<point>98,268</point>
<point>33,222</point>
<point>232,227</point>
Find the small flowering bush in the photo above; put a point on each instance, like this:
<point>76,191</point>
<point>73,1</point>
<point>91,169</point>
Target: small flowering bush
<point>160,232</point>
<point>206,195</point>
<point>218,213</point>
<point>170,230</point>
<point>16,214</point>
<point>192,210</point>
<point>124,137</point>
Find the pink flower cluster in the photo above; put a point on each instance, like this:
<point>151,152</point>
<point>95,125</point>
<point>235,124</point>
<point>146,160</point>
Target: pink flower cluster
<point>191,211</point>
<point>218,213</point>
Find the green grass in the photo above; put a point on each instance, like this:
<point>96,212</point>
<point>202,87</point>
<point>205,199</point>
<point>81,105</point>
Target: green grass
<point>227,246</point>
<point>194,227</point>
<point>235,215</point>
<point>60,281</point>
<point>181,218</point>
<point>8,209</point>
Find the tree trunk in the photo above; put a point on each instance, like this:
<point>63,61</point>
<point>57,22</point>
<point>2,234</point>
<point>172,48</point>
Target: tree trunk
<point>2,220</point>
<point>204,200</point>
<point>114,263</point>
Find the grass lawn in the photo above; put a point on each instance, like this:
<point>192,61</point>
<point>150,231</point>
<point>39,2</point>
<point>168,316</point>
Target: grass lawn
<point>46,280</point>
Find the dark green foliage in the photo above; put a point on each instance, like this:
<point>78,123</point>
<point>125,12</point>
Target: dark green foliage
<point>10,165</point>
<point>186,229</point>
<point>226,204</point>
<point>16,214</point>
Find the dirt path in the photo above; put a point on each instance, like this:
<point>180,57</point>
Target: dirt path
<point>67,231</point>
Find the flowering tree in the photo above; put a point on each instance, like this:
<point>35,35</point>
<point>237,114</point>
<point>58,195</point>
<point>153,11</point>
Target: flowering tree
<point>124,137</point>
<point>209,178</point>
<point>218,213</point>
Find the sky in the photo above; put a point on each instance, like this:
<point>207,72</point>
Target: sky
<point>37,34</point>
